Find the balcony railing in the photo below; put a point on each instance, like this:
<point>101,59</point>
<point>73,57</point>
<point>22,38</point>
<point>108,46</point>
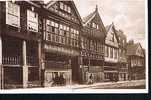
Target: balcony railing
<point>17,60</point>
<point>11,60</point>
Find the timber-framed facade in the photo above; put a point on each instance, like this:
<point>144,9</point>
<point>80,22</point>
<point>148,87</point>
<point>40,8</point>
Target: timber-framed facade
<point>43,45</point>
<point>20,43</point>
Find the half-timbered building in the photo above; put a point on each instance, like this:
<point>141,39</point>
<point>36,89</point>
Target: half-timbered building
<point>92,48</point>
<point>20,44</point>
<point>122,61</point>
<point>62,28</point>
<point>111,54</point>
<point>136,61</point>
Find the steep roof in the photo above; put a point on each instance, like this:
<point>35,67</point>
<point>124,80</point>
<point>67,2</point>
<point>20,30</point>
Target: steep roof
<point>108,27</point>
<point>132,49</point>
<point>51,2</point>
<point>111,26</point>
<point>121,34</point>
<point>89,18</point>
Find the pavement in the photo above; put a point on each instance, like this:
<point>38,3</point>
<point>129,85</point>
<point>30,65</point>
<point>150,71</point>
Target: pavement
<point>109,85</point>
<point>76,88</point>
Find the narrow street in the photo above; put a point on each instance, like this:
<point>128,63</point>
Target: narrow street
<point>75,88</point>
<point>134,84</point>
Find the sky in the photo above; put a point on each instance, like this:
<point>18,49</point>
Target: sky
<point>127,15</point>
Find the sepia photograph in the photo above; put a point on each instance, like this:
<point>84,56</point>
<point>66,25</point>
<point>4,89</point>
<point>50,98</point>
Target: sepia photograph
<point>73,46</point>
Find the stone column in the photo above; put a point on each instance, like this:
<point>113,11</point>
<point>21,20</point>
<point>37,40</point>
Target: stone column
<point>40,60</point>
<point>70,72</point>
<point>25,67</point>
<point>81,69</point>
<point>42,66</point>
<point>1,67</point>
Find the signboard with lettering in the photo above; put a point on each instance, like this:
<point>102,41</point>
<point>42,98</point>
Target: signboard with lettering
<point>93,69</point>
<point>32,21</point>
<point>12,14</point>
<point>61,50</point>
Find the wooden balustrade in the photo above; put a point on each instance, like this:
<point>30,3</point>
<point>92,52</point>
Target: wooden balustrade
<point>17,60</point>
<point>11,60</point>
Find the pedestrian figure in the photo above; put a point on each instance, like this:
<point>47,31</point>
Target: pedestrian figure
<point>55,80</point>
<point>62,80</point>
<point>90,80</point>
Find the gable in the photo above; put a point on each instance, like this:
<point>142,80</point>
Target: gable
<point>111,36</point>
<point>65,9</point>
<point>94,21</point>
<point>139,51</point>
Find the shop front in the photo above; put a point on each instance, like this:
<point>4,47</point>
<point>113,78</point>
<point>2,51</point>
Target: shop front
<point>111,73</point>
<point>92,71</point>
<point>12,64</point>
<point>96,73</point>
<point>58,66</point>
<point>123,72</point>
<point>57,78</point>
<point>20,63</point>
<point>57,70</point>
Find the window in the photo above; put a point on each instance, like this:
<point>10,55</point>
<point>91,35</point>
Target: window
<point>97,26</point>
<point>32,21</point>
<point>111,52</point>
<point>52,28</point>
<point>112,37</point>
<point>94,25</point>
<point>65,7</point>
<point>69,10</point>
<point>61,5</point>
<point>116,53</point>
<point>107,51</point>
<point>12,14</point>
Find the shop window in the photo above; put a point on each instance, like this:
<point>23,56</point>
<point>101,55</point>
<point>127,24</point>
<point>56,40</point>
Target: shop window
<point>57,78</point>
